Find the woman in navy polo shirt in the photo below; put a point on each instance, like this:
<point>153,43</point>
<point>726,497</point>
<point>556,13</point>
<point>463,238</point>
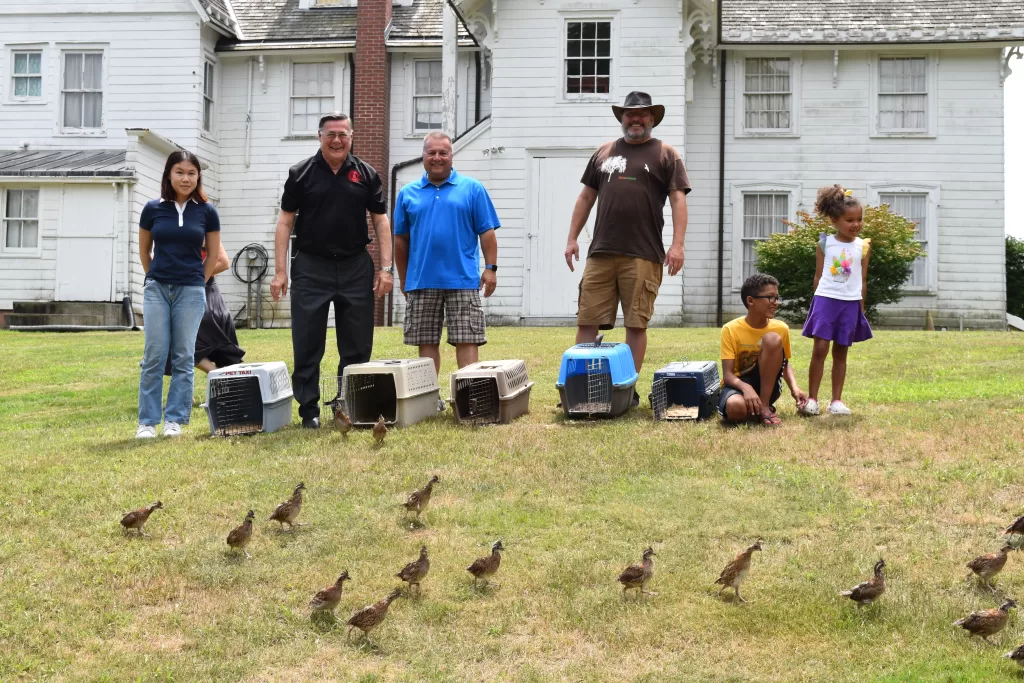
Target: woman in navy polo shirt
<point>174,228</point>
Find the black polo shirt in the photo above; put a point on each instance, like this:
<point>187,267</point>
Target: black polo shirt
<point>332,206</point>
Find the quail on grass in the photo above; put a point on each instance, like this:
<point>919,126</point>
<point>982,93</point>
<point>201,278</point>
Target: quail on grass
<point>485,567</point>
<point>136,519</point>
<point>371,616</point>
<point>987,566</point>
<point>637,575</point>
<point>1016,654</point>
<point>867,592</point>
<point>1016,528</point>
<point>380,430</point>
<point>327,599</point>
<point>735,573</point>
<point>419,499</point>
<point>240,535</point>
<point>414,572</point>
<point>341,421</point>
<point>987,622</point>
<point>286,512</point>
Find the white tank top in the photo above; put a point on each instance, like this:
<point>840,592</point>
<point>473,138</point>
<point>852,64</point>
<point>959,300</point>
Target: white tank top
<point>841,276</point>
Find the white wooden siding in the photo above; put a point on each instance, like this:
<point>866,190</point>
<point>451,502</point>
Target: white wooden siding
<point>965,159</point>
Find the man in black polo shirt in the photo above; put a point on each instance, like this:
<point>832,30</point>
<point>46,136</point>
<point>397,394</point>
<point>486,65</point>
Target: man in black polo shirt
<point>331,193</point>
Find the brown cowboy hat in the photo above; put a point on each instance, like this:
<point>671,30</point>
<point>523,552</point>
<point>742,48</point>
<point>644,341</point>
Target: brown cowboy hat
<point>640,100</point>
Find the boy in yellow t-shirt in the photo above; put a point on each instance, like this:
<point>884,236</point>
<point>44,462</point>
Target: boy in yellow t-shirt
<point>755,357</point>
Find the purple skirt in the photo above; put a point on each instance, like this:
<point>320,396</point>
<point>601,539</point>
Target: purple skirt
<point>838,321</point>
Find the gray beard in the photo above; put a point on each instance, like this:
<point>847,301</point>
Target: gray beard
<point>636,138</point>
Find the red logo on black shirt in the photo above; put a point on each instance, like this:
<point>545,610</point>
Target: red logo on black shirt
<point>353,175</point>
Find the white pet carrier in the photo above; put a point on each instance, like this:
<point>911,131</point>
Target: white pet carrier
<point>403,391</point>
<point>248,398</point>
<point>489,392</point>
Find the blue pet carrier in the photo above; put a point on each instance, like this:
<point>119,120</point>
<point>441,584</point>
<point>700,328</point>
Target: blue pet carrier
<point>686,391</point>
<point>596,380</point>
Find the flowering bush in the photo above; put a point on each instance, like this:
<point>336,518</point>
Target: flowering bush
<point>790,258</point>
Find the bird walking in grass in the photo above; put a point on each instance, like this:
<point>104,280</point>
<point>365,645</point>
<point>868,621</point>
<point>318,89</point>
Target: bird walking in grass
<point>327,600</point>
<point>136,519</point>
<point>735,573</point>
<point>1016,655</point>
<point>485,567</point>
<point>239,537</point>
<point>380,430</point>
<point>987,566</point>
<point>342,422</point>
<point>371,616</point>
<point>286,512</point>
<point>638,575</point>
<point>419,499</point>
<point>414,572</point>
<point>867,592</point>
<point>987,622</point>
<point>1015,529</point>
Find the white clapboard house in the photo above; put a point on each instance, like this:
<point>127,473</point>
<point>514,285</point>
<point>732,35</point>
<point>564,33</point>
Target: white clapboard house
<point>767,100</point>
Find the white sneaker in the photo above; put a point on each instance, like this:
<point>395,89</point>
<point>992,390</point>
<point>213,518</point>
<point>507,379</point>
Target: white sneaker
<point>145,432</point>
<point>810,408</point>
<point>838,408</point>
<point>172,429</point>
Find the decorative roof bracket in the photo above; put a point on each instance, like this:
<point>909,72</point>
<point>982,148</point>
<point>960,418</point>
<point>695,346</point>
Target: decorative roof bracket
<point>1004,62</point>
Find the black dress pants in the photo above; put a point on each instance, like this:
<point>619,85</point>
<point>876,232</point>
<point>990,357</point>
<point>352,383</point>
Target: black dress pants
<point>316,283</point>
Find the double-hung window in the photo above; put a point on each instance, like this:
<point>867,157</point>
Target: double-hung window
<point>20,220</point>
<point>903,95</point>
<point>764,214</point>
<point>913,206</point>
<point>27,75</point>
<point>426,96</point>
<point>588,57</point>
<point>82,90</point>
<point>768,96</point>
<point>208,97</point>
<point>312,95</point>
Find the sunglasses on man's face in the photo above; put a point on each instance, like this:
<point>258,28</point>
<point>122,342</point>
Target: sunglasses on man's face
<point>772,299</point>
<point>335,136</point>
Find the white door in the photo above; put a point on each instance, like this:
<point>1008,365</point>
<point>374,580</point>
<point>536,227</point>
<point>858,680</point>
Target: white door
<point>85,244</point>
<point>553,288</point>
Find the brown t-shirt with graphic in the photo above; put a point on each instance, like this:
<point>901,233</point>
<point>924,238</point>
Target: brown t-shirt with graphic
<point>632,182</point>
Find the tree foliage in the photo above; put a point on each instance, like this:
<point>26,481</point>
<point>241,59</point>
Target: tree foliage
<point>1015,276</point>
<point>790,258</point>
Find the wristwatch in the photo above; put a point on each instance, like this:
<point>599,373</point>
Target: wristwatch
<point>390,270</point>
<point>491,266</point>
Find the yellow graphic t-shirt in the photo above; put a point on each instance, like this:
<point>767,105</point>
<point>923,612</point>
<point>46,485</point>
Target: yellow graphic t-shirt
<point>741,342</point>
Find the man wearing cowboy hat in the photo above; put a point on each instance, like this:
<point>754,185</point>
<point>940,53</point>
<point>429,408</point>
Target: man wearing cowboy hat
<point>629,178</point>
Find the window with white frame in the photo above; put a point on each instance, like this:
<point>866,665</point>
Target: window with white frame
<point>764,214</point>
<point>82,90</point>
<point>312,95</point>
<point>27,74</point>
<point>903,94</point>
<point>208,97</point>
<point>426,95</point>
<point>588,57</point>
<point>913,206</point>
<point>767,93</point>
<point>20,219</point>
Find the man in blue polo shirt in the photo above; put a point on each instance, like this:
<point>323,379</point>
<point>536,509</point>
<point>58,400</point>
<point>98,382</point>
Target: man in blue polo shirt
<point>442,222</point>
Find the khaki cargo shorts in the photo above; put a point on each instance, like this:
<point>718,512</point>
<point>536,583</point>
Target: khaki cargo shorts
<point>609,280</point>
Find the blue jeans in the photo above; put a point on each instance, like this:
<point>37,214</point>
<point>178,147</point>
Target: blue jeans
<point>171,317</point>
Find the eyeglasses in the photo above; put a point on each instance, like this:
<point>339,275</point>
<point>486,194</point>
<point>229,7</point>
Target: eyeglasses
<point>771,299</point>
<point>340,135</point>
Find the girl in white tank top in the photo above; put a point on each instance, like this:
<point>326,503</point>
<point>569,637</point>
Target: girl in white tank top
<point>836,316</point>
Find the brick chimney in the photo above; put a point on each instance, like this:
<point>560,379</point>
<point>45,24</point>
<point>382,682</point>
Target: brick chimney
<point>372,102</point>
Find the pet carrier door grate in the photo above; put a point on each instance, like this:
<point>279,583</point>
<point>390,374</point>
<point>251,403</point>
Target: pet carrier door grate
<point>236,406</point>
<point>477,399</point>
<point>590,393</point>
<point>367,397</point>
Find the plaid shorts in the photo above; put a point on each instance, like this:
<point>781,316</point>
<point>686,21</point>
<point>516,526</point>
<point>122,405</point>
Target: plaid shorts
<point>459,308</point>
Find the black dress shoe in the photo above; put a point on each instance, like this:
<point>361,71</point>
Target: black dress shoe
<point>311,423</point>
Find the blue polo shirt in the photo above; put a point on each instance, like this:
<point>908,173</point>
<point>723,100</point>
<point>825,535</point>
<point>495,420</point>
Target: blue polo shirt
<point>178,234</point>
<point>444,225</point>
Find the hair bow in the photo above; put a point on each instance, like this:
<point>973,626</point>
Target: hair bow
<point>848,193</point>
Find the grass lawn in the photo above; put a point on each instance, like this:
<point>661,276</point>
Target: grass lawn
<point>925,474</point>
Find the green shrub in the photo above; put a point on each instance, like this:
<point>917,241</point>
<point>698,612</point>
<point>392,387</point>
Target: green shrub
<point>1015,276</point>
<point>790,258</point>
